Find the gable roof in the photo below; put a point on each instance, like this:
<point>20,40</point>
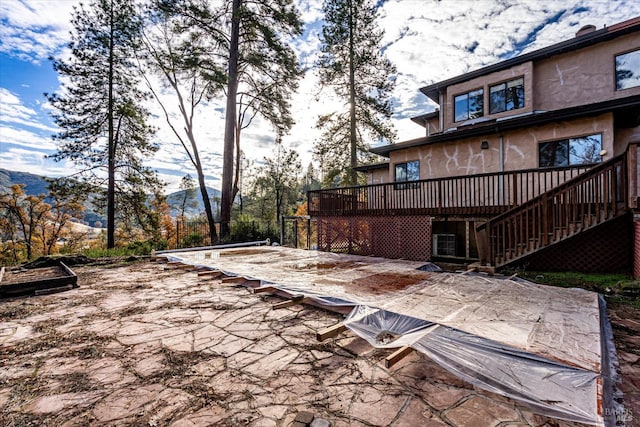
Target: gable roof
<point>578,42</point>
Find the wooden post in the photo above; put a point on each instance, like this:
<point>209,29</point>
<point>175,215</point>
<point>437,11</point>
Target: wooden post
<point>331,331</point>
<point>263,289</point>
<point>299,299</point>
<point>633,172</point>
<point>397,356</point>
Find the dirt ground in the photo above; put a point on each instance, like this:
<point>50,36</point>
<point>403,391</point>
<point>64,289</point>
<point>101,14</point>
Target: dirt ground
<point>139,344</point>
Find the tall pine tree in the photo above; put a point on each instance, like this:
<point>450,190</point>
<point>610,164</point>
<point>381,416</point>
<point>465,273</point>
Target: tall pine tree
<point>103,126</point>
<point>262,75</point>
<point>352,64</point>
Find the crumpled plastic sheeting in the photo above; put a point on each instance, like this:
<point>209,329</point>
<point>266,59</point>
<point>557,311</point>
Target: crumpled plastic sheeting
<point>537,345</point>
<point>554,389</point>
<point>384,329</point>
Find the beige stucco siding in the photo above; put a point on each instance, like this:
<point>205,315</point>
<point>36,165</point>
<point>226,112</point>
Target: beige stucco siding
<point>523,70</point>
<point>465,157</point>
<point>582,77</point>
<point>378,176</point>
<point>625,136</point>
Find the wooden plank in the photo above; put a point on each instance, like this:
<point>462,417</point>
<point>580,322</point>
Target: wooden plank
<point>397,356</point>
<point>234,279</point>
<point>263,289</point>
<point>210,273</point>
<point>331,331</point>
<point>50,291</point>
<point>293,301</point>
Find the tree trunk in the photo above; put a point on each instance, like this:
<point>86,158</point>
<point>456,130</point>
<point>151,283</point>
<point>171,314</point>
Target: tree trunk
<point>352,98</point>
<point>213,234</point>
<point>238,165</point>
<point>230,124</point>
<point>111,171</point>
<point>278,203</point>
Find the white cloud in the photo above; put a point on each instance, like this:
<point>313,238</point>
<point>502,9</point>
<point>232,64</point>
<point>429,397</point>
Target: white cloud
<point>13,111</point>
<point>33,161</point>
<point>35,29</point>
<point>25,138</point>
<point>428,40</point>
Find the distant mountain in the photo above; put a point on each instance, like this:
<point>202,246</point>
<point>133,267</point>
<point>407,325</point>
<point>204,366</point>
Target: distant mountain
<point>175,201</point>
<point>36,184</point>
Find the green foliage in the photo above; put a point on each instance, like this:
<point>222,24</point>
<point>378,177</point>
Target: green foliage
<point>352,65</point>
<point>617,288</point>
<point>107,253</point>
<point>193,240</point>
<point>275,189</point>
<point>247,230</point>
<point>144,247</point>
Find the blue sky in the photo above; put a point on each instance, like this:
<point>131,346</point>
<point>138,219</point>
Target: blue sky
<point>428,40</point>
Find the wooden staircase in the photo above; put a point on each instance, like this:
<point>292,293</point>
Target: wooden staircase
<point>595,197</point>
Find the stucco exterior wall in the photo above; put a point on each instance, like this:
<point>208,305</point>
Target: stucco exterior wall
<point>523,70</point>
<point>520,147</point>
<point>433,126</point>
<point>378,176</point>
<point>625,136</point>
<point>582,77</point>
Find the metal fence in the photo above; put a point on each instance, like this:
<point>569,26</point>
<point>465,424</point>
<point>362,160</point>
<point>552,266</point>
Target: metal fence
<point>299,232</point>
<point>193,233</point>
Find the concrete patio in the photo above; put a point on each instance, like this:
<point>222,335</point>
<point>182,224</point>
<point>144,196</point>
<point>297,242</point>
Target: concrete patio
<point>140,344</point>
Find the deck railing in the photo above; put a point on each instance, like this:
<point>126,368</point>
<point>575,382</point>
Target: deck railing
<point>483,194</point>
<point>596,196</point>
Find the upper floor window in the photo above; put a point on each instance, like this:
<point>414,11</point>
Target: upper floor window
<point>584,150</point>
<point>409,171</point>
<point>506,96</point>
<point>628,70</point>
<point>469,105</point>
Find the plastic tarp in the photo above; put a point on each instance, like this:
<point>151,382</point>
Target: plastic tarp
<point>551,349</point>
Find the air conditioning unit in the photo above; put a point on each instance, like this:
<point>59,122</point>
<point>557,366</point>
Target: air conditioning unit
<point>444,245</point>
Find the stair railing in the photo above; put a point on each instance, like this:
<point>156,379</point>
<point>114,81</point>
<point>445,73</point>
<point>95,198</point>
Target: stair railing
<point>596,196</point>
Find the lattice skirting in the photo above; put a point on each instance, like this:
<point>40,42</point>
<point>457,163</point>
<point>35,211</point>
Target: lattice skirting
<point>605,249</point>
<point>636,249</point>
<point>406,237</point>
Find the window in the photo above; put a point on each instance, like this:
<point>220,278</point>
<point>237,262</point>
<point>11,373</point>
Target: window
<point>409,171</point>
<point>628,70</point>
<point>506,96</point>
<point>573,151</point>
<point>469,105</point>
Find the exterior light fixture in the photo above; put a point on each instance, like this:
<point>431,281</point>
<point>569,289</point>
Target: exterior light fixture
<point>484,145</point>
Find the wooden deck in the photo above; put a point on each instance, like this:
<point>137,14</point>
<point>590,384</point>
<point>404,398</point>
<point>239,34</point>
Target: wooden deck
<point>526,210</point>
<point>484,194</point>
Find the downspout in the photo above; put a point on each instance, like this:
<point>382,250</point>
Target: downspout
<point>441,115</point>
<point>501,147</point>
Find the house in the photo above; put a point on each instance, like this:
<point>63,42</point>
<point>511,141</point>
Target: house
<point>530,161</point>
